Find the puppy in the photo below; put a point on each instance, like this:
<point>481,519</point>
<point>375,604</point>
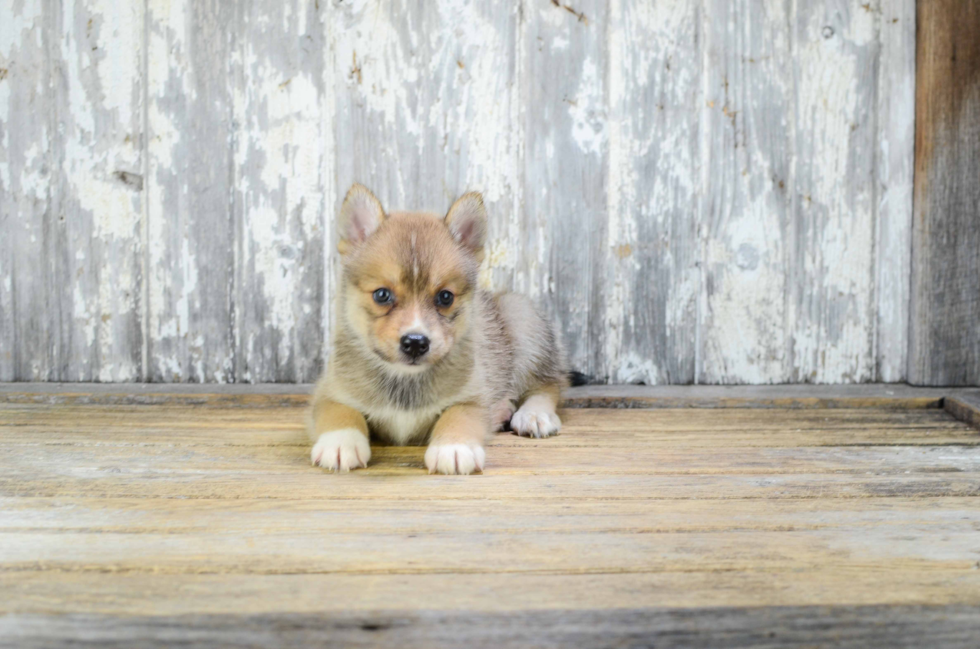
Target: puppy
<point>420,354</point>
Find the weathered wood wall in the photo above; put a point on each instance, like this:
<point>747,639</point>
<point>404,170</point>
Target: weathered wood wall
<point>945,343</point>
<point>700,190</point>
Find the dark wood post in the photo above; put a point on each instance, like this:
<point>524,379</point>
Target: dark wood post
<point>945,300</point>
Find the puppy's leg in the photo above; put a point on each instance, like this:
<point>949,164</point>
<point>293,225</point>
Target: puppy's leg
<point>457,441</point>
<point>537,417</point>
<point>500,414</point>
<point>341,436</point>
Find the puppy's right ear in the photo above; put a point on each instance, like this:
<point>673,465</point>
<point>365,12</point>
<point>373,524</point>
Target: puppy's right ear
<point>359,217</point>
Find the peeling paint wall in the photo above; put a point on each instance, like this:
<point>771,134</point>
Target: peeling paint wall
<point>714,191</point>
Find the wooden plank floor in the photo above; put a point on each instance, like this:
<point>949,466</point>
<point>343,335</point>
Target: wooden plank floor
<point>154,525</point>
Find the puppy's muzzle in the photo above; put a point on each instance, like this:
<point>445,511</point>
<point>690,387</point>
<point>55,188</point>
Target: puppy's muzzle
<point>414,345</point>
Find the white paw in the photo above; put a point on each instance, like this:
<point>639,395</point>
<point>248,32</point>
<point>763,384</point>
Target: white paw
<point>535,422</point>
<point>341,450</point>
<point>455,459</point>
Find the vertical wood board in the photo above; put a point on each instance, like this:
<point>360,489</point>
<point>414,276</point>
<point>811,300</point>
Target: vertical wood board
<point>565,120</point>
<point>278,207</point>
<point>894,166</point>
<point>651,254</point>
<point>191,235</point>
<point>945,302</point>
<point>746,192</point>
<point>72,192</point>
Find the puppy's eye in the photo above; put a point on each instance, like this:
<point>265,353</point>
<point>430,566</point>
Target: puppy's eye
<point>444,298</point>
<point>382,296</point>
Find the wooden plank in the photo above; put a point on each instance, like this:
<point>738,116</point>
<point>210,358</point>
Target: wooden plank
<point>894,163</point>
<point>214,422</point>
<point>270,435</point>
<point>30,343</point>
<point>276,426</point>
<point>965,407</point>
<point>564,52</point>
<point>945,303</point>
<point>652,253</point>
<point>99,185</point>
<point>789,292</point>
<point>585,457</point>
<point>281,163</point>
<point>428,89</point>
<point>747,192</point>
<point>628,538</point>
<point>235,220</point>
<point>951,546</point>
<point>266,435</point>
<point>375,483</point>
<point>71,192</point>
<point>831,241</point>
<point>804,626</point>
<point>256,516</point>
<point>752,421</point>
<point>177,595</point>
<point>899,397</point>
<point>190,234</point>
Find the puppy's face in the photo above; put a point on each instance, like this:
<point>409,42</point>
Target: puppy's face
<point>410,278</point>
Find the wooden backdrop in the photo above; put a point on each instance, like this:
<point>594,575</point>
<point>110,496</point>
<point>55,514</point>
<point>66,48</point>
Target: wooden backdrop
<point>714,191</point>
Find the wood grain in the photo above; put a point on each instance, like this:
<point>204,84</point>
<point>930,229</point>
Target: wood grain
<point>169,596</point>
<point>431,91</point>
<point>891,396</point>
<point>945,302</point>
<point>281,164</point>
<point>99,174</point>
<point>830,252</point>
<point>71,192</point>
<point>117,518</point>
<point>714,192</point>
<point>31,341</point>
<point>747,190</point>
<point>565,130</point>
<point>190,231</point>
<point>800,626</point>
<point>651,255</point>
<point>965,407</point>
<point>895,138</point>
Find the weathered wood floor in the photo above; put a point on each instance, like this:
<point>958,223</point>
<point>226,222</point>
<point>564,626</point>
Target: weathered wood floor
<point>156,525</point>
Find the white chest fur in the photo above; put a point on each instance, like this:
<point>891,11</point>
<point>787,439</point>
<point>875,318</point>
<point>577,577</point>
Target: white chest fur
<point>402,426</point>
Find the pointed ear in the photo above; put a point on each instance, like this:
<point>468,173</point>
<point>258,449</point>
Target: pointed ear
<point>467,221</point>
<point>360,216</point>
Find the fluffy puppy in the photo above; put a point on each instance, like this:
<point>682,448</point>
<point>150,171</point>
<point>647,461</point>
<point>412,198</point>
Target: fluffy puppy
<point>420,354</point>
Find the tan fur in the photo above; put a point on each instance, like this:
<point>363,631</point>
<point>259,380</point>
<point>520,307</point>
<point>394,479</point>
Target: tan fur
<point>487,354</point>
<point>462,424</point>
<point>332,415</point>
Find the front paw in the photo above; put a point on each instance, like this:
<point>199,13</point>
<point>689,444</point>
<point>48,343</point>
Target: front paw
<point>532,422</point>
<point>455,459</point>
<point>341,450</point>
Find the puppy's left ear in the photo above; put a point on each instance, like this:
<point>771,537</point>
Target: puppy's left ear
<point>467,221</point>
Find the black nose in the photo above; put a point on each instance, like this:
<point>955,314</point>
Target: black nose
<point>415,345</point>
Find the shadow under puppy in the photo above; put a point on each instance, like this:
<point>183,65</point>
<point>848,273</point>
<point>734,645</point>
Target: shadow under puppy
<point>420,353</point>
